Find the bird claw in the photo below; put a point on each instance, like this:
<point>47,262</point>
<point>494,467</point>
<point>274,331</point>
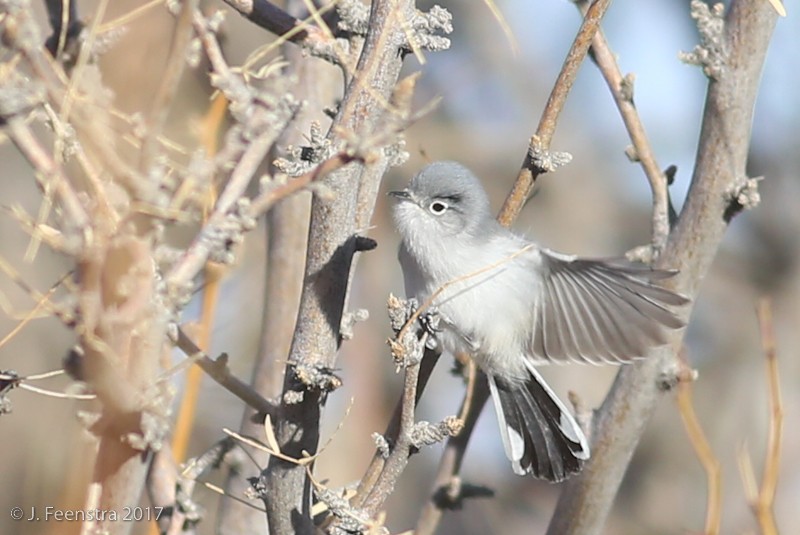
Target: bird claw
<point>431,321</point>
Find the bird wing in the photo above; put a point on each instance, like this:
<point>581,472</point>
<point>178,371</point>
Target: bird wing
<point>600,311</point>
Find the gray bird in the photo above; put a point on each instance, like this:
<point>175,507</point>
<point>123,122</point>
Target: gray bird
<point>512,305</point>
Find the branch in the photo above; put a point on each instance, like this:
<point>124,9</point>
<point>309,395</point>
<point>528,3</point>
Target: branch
<point>702,449</point>
<point>266,200</point>
<point>368,111</point>
<point>373,472</point>
<point>173,71</point>
<point>264,122</point>
<point>274,19</point>
<point>540,142</point>
<point>218,370</point>
<point>409,436</point>
<point>761,499</point>
<point>442,498</point>
<point>331,248</point>
<point>622,90</point>
<point>720,169</point>
<point>22,136</point>
<point>170,493</point>
<point>286,234</point>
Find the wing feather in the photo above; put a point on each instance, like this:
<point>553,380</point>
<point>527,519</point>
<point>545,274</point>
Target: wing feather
<point>601,311</point>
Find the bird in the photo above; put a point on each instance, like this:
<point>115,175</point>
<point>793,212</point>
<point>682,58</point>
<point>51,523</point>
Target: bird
<point>513,305</point>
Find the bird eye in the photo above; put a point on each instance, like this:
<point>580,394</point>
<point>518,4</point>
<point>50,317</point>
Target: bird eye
<point>438,207</point>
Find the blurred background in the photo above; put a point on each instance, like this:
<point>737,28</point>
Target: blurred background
<point>598,205</point>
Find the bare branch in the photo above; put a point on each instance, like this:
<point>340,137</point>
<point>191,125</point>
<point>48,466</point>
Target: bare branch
<point>540,141</point>
<point>622,90</point>
<point>375,469</point>
<point>364,112</point>
<point>442,498</point>
<point>173,71</point>
<point>761,499</point>
<point>702,449</point>
<point>170,493</point>
<point>724,140</point>
<point>29,146</point>
<point>274,19</point>
<point>218,370</point>
<point>231,212</point>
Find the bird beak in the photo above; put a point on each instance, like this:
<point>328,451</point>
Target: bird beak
<point>403,195</point>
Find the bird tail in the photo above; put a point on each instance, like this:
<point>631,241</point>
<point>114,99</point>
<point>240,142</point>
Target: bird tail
<point>539,434</point>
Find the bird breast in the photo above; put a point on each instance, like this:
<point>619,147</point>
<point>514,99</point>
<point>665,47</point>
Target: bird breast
<point>484,292</point>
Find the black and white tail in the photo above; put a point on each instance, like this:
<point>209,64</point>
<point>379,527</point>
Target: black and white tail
<point>540,435</point>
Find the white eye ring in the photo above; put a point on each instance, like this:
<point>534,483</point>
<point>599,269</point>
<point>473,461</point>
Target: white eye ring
<point>438,207</point>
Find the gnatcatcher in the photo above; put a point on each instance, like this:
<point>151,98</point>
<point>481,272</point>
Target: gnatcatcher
<point>511,305</point>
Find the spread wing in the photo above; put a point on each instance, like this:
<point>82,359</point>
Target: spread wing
<point>599,311</point>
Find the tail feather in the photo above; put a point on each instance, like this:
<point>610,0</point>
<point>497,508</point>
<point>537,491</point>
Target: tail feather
<point>540,436</point>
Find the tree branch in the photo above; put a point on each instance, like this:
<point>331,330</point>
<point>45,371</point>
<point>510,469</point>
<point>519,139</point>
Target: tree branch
<point>719,171</point>
<point>622,90</point>
<point>330,252</point>
<point>531,169</point>
<point>275,20</point>
<point>374,471</point>
<point>450,463</point>
<point>219,372</point>
<point>287,230</point>
<point>173,70</point>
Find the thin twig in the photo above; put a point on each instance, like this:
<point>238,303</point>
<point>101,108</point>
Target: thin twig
<point>450,464</point>
<point>40,303</point>
<point>276,20</point>
<point>373,471</point>
<point>20,133</point>
<point>173,71</point>
<point>555,103</point>
<point>472,377</point>
<point>64,314</point>
<point>129,17</point>
<point>398,458</point>
<point>622,91</point>
<point>772,461</point>
<point>197,253</point>
<point>218,370</point>
<point>703,450</point>
<point>263,202</point>
<point>761,499</point>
